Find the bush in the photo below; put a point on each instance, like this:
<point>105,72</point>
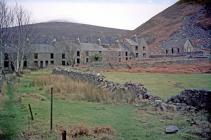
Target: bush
<point>96,57</point>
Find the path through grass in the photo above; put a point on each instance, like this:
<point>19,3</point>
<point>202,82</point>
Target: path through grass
<point>13,114</point>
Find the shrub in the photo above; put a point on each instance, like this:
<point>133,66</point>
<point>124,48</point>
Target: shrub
<point>96,57</point>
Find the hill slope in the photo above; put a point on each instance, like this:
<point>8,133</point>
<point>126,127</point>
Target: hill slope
<point>172,27</point>
<point>46,32</point>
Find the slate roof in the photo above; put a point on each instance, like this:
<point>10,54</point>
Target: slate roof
<point>142,42</point>
<point>59,48</point>
<point>114,49</point>
<point>44,48</point>
<point>174,43</point>
<point>9,49</point>
<point>196,43</point>
<point>91,47</point>
<point>131,42</point>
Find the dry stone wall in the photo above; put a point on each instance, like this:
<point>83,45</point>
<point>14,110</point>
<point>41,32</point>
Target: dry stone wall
<point>189,100</point>
<point>200,99</point>
<point>137,90</point>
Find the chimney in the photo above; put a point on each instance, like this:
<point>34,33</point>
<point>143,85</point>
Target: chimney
<point>135,38</point>
<point>117,42</point>
<point>99,41</point>
<point>54,42</point>
<point>78,40</point>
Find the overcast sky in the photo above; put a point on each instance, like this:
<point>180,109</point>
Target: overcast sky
<point>123,14</point>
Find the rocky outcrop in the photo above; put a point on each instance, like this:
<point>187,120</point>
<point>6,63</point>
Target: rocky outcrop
<point>199,99</point>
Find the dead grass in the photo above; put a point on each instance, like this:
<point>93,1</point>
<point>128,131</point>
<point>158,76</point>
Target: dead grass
<point>67,88</point>
<point>202,67</point>
<point>82,131</point>
<point>4,88</point>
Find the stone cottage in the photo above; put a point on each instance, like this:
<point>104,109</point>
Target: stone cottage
<point>188,47</point>
<point>183,48</point>
<point>8,56</point>
<point>69,52</point>
<point>172,48</point>
<point>43,55</point>
<point>191,50</point>
<point>136,49</point>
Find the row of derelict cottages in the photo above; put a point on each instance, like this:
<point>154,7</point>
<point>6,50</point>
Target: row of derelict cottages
<point>78,53</point>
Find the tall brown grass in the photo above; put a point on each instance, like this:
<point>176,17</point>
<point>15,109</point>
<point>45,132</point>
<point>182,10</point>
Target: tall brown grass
<point>81,131</point>
<point>3,92</point>
<point>4,88</point>
<point>68,88</point>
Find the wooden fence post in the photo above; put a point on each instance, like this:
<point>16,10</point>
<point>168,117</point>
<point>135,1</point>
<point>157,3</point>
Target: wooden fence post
<point>32,117</point>
<point>64,135</point>
<point>51,114</point>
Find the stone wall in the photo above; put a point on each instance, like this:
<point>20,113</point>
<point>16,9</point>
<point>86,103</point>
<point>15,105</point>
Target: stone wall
<point>137,90</point>
<point>189,100</point>
<point>154,62</point>
<point>200,99</point>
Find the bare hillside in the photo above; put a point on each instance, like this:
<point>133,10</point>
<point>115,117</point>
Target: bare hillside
<point>172,27</point>
<point>46,32</point>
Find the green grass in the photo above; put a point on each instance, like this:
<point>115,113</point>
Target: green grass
<point>123,118</point>
<point>13,114</point>
<point>163,85</point>
<point>130,122</point>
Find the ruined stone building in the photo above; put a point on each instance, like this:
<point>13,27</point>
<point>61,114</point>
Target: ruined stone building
<point>67,53</point>
<point>186,48</point>
<point>78,53</point>
<point>138,48</point>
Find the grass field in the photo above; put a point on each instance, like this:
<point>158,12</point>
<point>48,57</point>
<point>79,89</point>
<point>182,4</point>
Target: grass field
<point>129,122</point>
<point>163,85</point>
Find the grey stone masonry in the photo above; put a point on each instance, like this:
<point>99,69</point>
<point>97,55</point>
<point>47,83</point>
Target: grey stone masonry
<point>136,89</point>
<point>200,99</point>
<point>188,100</point>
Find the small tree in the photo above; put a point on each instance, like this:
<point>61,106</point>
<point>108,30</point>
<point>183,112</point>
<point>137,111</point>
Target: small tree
<point>14,31</point>
<point>70,49</point>
<point>6,20</point>
<point>21,36</point>
<point>97,57</point>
